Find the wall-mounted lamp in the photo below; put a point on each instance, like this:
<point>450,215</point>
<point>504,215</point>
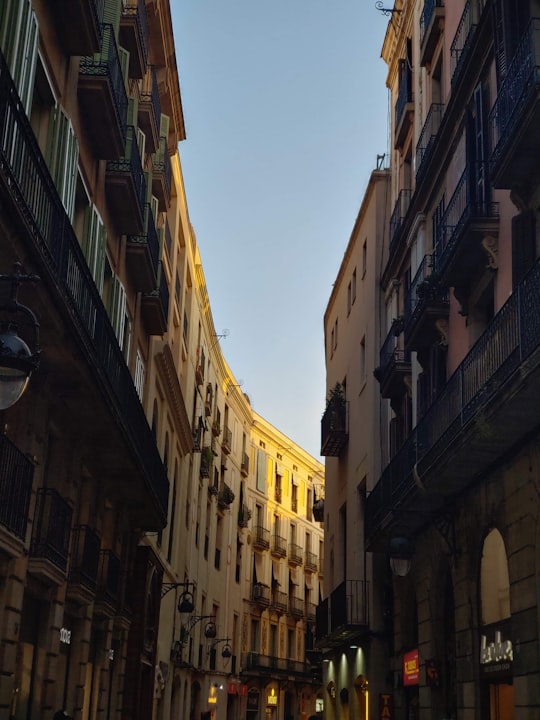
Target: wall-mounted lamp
<point>384,10</point>
<point>401,551</point>
<point>226,653</point>
<point>17,360</point>
<point>210,630</point>
<point>186,603</point>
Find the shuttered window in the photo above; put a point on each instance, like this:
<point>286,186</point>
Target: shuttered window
<point>94,245</point>
<point>63,157</point>
<point>19,42</point>
<point>116,307</point>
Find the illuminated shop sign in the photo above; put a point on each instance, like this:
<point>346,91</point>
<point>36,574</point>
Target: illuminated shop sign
<point>272,698</point>
<point>386,706</point>
<point>65,636</point>
<point>411,668</point>
<point>319,705</point>
<point>496,651</point>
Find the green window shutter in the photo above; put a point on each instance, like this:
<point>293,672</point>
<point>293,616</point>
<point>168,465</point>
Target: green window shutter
<point>94,245</point>
<point>19,41</point>
<point>62,157</point>
<point>141,142</point>
<point>261,470</point>
<point>117,308</point>
<point>154,202</point>
<point>164,125</point>
<point>123,56</point>
<point>112,10</point>
<point>133,111</point>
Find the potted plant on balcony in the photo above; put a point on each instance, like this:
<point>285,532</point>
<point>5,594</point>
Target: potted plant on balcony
<point>216,429</point>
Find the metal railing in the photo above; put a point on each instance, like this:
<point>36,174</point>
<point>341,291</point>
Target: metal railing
<point>461,208</point>
<point>279,600</point>
<point>295,554</point>
<point>521,82</point>
<point>462,41</point>
<point>261,537</point>
<point>390,353</point>
<point>131,163</point>
<point>398,215</point>
<point>427,14</point>
<point>296,606</point>
<point>161,164</point>
<point>25,174</point>
<point>137,10</point>
<point>415,294</point>
<point>149,237</point>
<point>279,545</point>
<point>404,96</point>
<point>52,528</point>
<point>107,64</point>
<point>310,562</point>
<point>16,475</point>
<point>426,141</point>
<point>508,341</point>
<point>85,556</point>
<point>150,93</point>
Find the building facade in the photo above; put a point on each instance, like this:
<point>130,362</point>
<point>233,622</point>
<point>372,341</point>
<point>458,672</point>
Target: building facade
<point>128,467</point>
<point>351,630</point>
<point>456,503</point>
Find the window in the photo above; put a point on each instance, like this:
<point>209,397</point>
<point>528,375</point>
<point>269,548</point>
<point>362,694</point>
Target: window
<point>19,42</point>
<point>294,498</point>
<point>334,336</point>
<point>363,360</point>
<point>261,471</point>
<point>349,297</point>
<point>364,258</point>
<point>94,244</point>
<point>140,372</point>
<point>63,157</point>
<point>353,287</point>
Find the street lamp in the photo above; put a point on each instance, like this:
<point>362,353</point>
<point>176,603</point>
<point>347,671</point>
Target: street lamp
<point>17,360</point>
<point>186,604</point>
<point>401,552</point>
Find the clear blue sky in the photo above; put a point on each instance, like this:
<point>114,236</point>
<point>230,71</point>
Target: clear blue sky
<point>286,109</point>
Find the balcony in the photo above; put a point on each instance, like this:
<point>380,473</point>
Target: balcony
<point>431,28</point>
<point>426,304</point>
<point>208,401</point>
<point>50,537</point>
<point>16,475</point>
<point>162,175</point>
<point>426,141</point>
<point>78,25</point>
<point>394,366</point>
<point>277,494</point>
<point>84,565</point>
<point>225,496</point>
<point>460,49</point>
<point>128,456</point>
<point>155,306</point>
<point>108,584</point>
<point>134,35</point>
<point>487,408</point>
<point>398,216</point>
<point>244,465</point>
<point>200,366</point>
<point>295,554</point>
<point>260,594</point>
<point>142,254</point>
<point>207,462</point>
<point>261,538</point>
<point>465,225</point>
<point>515,117</point>
<point>334,429</point>
<point>311,612</point>
<point>343,617</point>
<point>310,563</point>
<point>279,546</point>
<point>103,98</point>
<point>226,440</point>
<point>266,666</point>
<point>296,607</point>
<point>404,108</point>
<point>125,187</point>
<point>244,516</point>
<point>150,110</point>
<point>279,601</point>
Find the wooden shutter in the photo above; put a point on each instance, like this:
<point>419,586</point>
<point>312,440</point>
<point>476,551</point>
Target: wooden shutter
<point>63,157</point>
<point>523,245</point>
<point>117,308</point>
<point>94,245</point>
<point>19,41</point>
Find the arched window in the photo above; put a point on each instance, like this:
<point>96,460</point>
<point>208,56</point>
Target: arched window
<point>494,580</point>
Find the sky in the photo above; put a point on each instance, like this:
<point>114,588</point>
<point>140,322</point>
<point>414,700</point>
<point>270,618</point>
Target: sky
<point>286,110</point>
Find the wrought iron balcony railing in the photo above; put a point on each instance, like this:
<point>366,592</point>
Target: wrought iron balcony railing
<point>260,594</point>
<point>126,185</point>
<point>162,174</point>
<point>462,208</point>
<point>24,172</point>
<point>295,554</point>
<point>426,141</point>
<point>279,546</point>
<point>423,284</point>
<point>16,475</point>
<point>398,215</point>
<point>143,254</point>
<point>310,563</point>
<point>134,33</point>
<point>426,18</point>
<point>279,600</point>
<point>261,538</point>
<point>343,615</point>
<point>150,109</point>
<point>497,357</point>
<point>244,465</point>
<point>518,89</point>
<point>226,441</point>
<point>334,430</point>
<point>52,528</point>
<point>404,97</point>
<point>463,39</point>
<point>85,555</point>
<point>268,664</point>
<point>296,606</point>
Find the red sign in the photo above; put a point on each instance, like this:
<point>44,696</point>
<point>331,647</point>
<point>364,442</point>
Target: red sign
<point>243,690</point>
<point>232,688</point>
<point>386,706</point>
<point>411,668</point>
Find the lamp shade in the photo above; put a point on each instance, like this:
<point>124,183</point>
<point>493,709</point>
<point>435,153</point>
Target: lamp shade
<point>401,552</point>
<point>185,603</point>
<point>16,365</point>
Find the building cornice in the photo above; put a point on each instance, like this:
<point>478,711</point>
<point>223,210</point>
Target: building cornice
<point>169,378</point>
